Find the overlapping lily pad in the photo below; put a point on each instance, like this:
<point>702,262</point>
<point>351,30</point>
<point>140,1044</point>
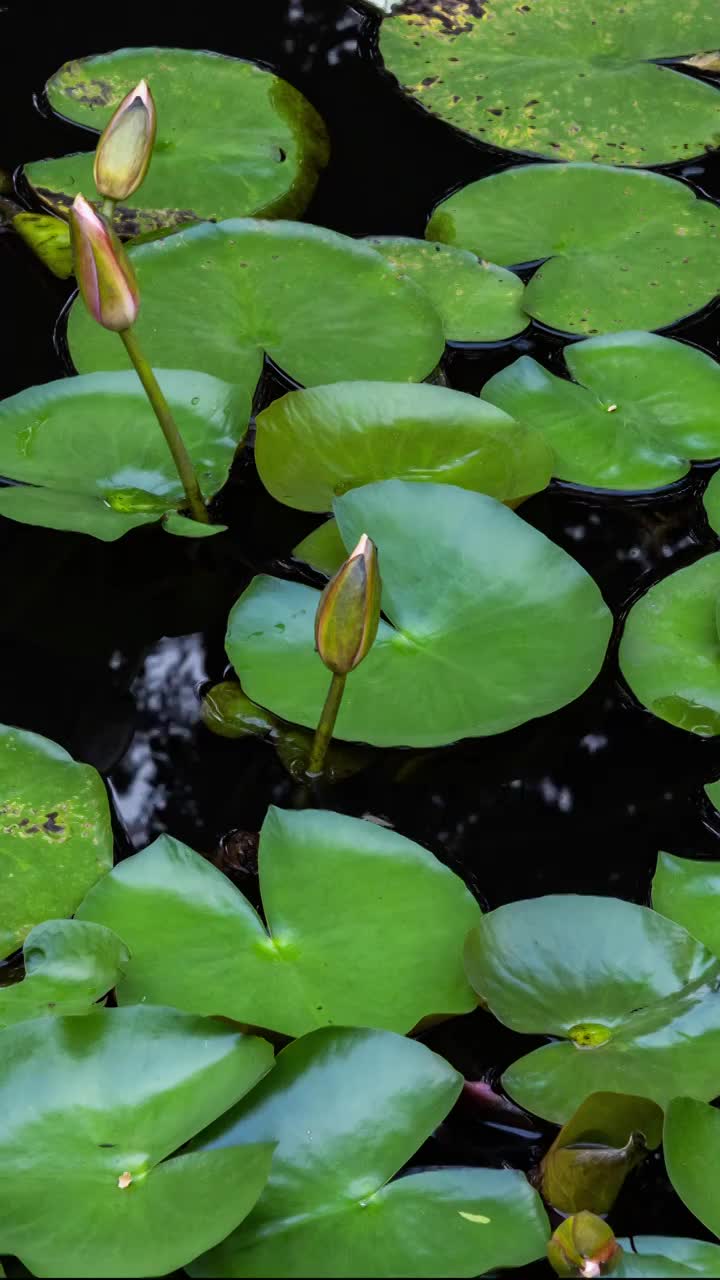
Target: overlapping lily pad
<point>639,408</point>
<point>69,965</point>
<point>572,82</point>
<point>658,1257</point>
<point>364,928</point>
<point>632,996</point>
<point>311,446</point>
<point>91,1108</point>
<point>692,1155</point>
<point>465,582</point>
<point>233,139</point>
<point>670,649</point>
<point>323,306</point>
<point>624,250</point>
<point>478,301</point>
<point>687,890</point>
<point>55,833</point>
<point>347,1109</point>
<point>92,457</point>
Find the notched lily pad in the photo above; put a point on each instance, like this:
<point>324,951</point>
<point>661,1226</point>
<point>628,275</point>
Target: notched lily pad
<point>233,139</point>
<point>69,964</point>
<point>623,250</point>
<point>55,833</point>
<point>571,82</point>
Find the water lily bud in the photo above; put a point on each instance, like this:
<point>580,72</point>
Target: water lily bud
<point>584,1245</point>
<point>123,154</point>
<point>106,279</point>
<point>347,618</point>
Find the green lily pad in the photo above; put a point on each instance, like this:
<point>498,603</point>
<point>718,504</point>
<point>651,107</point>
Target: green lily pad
<point>688,891</point>
<point>91,1109</point>
<point>624,250</point>
<point>692,1156</point>
<point>465,581</point>
<point>323,549</point>
<point>69,965</point>
<point>216,297</point>
<point>49,239</point>
<point>347,1109</point>
<point>94,454</point>
<point>570,82</point>
<point>657,1257</point>
<point>478,301</point>
<point>233,139</point>
<point>670,649</point>
<point>347,903</point>
<point>185,527</point>
<point>711,501</point>
<point>633,996</point>
<point>55,838</point>
<point>712,791</point>
<point>311,446</point>
<point>639,409</point>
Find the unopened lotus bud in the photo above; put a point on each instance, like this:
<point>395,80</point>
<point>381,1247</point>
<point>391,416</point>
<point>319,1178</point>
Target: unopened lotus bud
<point>347,618</point>
<point>123,154</point>
<point>106,279</point>
<point>584,1245</point>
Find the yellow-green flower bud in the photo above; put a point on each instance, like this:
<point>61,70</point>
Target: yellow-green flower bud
<point>584,1245</point>
<point>123,154</point>
<point>347,617</point>
<point>104,275</point>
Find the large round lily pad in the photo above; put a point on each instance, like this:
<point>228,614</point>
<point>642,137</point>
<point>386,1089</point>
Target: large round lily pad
<point>347,1109</point>
<point>465,583</point>
<point>569,81</point>
<point>55,833</point>
<point>687,890</point>
<point>69,964</point>
<point>692,1154</point>
<point>639,408</point>
<point>625,250</point>
<point>661,1257</point>
<point>93,452</point>
<point>233,140</point>
<point>364,927</point>
<point>311,446</point>
<point>670,649</point>
<point>633,997</point>
<point>323,306</point>
<point>91,1108</point>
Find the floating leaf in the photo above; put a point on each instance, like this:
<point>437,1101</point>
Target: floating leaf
<point>711,501</point>
<point>347,1109</point>
<point>478,302</point>
<point>323,549</point>
<point>625,250</point>
<point>312,446</point>
<point>692,1155</point>
<point>244,285</point>
<point>69,965</point>
<point>347,903</point>
<point>92,448</point>
<point>657,1257</point>
<point>633,996</point>
<point>644,406</point>
<point>185,527</point>
<point>712,791</point>
<point>55,833</point>
<point>688,891</point>
<point>91,1109</point>
<point>49,239</point>
<point>233,139</point>
<point>571,82</point>
<point>670,648</point>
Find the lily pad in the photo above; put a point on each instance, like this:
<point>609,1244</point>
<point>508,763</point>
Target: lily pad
<point>233,139</point>
<point>572,82</point>
<point>465,582</point>
<point>323,549</point>
<point>711,502</point>
<point>312,446</point>
<point>639,408</point>
<point>478,301</point>
<point>94,454</point>
<point>657,1257</point>
<point>633,997</point>
<point>69,965</point>
<point>91,1109</point>
<point>623,250</point>
<point>55,838</point>
<point>49,239</point>
<point>692,1155</point>
<point>688,891</point>
<point>347,1109</point>
<point>712,791</point>
<point>670,649</point>
<point>364,928</point>
<point>217,297</point>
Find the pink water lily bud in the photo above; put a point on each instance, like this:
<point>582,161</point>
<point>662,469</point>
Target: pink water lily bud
<point>123,154</point>
<point>348,614</point>
<point>106,279</point>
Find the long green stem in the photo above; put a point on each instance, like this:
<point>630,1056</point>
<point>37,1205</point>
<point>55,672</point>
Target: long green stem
<point>108,208</point>
<point>174,440</point>
<point>326,726</point>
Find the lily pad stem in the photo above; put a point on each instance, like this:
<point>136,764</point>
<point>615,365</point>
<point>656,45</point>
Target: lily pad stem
<point>108,208</point>
<point>326,726</point>
<point>175,442</point>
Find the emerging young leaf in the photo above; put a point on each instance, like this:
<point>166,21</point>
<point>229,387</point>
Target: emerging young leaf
<point>69,964</point>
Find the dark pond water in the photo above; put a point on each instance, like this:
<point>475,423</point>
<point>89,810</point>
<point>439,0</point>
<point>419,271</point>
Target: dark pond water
<point>104,647</point>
